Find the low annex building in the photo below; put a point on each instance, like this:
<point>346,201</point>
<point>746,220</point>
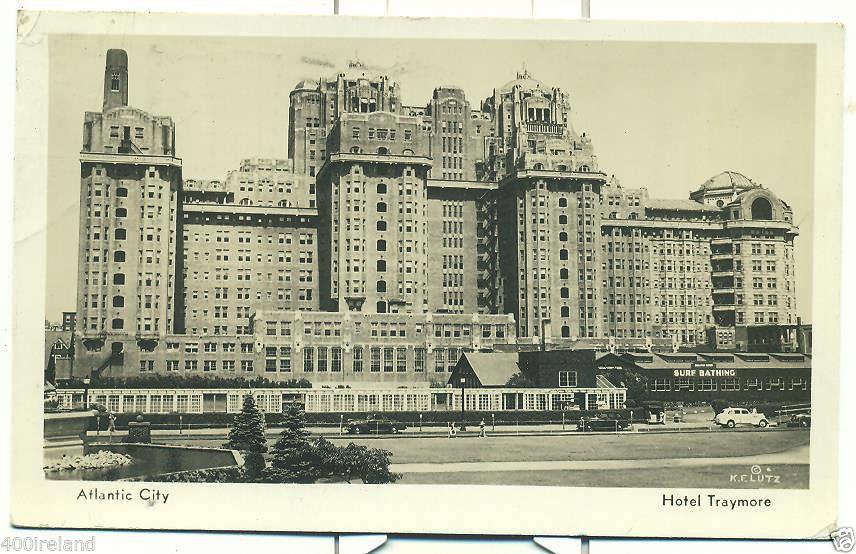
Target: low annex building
<point>552,379</point>
<point>688,376</point>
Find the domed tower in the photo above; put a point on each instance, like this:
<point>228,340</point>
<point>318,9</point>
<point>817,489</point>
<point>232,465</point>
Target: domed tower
<point>752,259</point>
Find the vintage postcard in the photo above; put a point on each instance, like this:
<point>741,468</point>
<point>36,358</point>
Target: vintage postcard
<point>363,275</point>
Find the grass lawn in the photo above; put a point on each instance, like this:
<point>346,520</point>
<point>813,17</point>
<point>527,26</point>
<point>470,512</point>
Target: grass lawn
<point>627,446</point>
<point>638,446</point>
<point>792,476</point>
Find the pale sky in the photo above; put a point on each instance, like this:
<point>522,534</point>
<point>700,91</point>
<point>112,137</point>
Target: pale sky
<point>665,116</point>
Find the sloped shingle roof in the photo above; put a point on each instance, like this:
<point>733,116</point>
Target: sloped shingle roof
<point>493,369</point>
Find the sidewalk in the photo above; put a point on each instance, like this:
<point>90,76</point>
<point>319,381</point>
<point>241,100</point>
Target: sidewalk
<point>333,431</point>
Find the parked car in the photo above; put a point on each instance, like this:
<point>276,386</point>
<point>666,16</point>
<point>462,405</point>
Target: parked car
<point>800,420</point>
<point>375,425</point>
<point>607,421</point>
<point>732,417</point>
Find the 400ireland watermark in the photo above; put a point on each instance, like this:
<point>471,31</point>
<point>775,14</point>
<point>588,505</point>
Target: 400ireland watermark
<point>43,544</point>
<point>757,474</point>
<point>843,539</point>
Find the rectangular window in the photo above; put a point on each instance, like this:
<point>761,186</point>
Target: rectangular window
<point>375,359</point>
<point>706,384</point>
<point>388,361</point>
<point>246,365</point>
<point>358,359</point>
<point>419,359</point>
<point>661,385</point>
<point>285,358</point>
<point>439,360</point>
<point>567,378</point>
<point>684,383</point>
<point>400,359</point>
<point>731,384</point>
<point>308,360</point>
<point>336,359</point>
<point>452,359</point>
<point>752,383</point>
<point>322,358</point>
<point>798,383</point>
<point>774,383</point>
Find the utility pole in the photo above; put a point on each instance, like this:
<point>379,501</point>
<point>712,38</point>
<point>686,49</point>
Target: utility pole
<point>463,398</point>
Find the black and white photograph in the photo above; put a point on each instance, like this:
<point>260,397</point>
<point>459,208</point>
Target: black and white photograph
<point>391,263</point>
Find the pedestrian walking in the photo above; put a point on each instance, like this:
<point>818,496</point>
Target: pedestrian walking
<point>111,425</point>
<point>481,428</point>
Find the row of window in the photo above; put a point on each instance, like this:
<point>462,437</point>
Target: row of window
<point>729,384</point>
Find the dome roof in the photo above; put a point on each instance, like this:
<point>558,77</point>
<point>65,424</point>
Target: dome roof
<point>306,84</point>
<point>728,180</point>
<point>524,81</point>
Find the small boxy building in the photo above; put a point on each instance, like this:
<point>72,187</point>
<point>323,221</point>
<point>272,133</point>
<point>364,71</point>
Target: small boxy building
<point>746,376</point>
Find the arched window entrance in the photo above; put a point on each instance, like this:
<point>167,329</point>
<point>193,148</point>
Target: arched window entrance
<point>762,209</point>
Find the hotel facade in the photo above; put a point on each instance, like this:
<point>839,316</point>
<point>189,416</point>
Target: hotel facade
<point>393,238</point>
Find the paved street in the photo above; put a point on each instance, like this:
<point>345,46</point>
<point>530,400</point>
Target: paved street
<point>692,458</point>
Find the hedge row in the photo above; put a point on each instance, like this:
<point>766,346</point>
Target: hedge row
<point>433,418</point>
<point>168,381</point>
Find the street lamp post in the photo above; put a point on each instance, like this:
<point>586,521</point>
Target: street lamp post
<point>86,381</point>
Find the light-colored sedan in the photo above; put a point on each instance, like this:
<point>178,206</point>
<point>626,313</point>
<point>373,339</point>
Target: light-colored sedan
<point>731,417</point>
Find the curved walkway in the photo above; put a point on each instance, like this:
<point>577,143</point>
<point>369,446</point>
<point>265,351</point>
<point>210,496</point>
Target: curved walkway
<point>798,455</point>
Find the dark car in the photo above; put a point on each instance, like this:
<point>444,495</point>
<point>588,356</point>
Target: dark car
<point>608,421</point>
<point>374,425</point>
<point>800,420</point>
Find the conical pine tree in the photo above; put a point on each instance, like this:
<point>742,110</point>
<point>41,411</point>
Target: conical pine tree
<point>292,459</point>
<point>248,436</point>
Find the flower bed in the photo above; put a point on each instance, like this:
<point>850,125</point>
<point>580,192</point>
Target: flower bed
<point>98,460</point>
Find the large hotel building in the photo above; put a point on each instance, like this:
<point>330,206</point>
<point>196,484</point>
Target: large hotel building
<point>395,237</point>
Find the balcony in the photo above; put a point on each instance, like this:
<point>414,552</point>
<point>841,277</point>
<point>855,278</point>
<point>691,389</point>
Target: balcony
<point>721,256</point>
<point>726,289</point>
<point>545,128</point>
<point>347,157</point>
<point>721,241</point>
<point>465,185</point>
<point>239,209</point>
<point>136,159</point>
<point>722,273</point>
<point>724,307</point>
